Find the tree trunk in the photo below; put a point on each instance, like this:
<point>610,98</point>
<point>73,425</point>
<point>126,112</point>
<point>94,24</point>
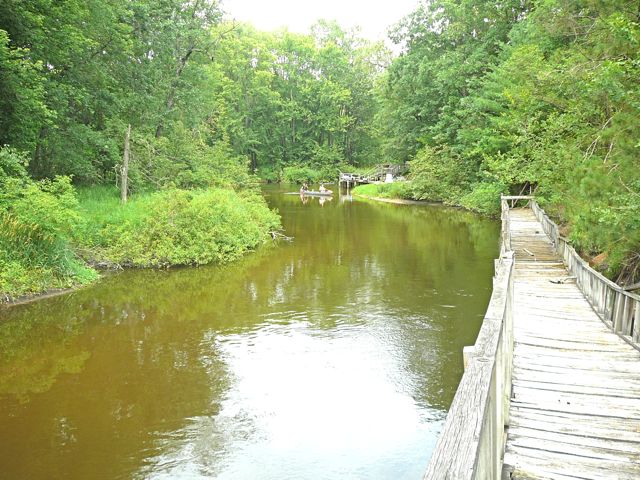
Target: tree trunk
<point>124,172</point>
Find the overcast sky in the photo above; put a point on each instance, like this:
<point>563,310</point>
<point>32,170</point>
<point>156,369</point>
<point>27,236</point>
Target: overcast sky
<point>373,16</point>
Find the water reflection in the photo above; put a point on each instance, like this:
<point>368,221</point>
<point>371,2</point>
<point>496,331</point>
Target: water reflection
<point>335,356</point>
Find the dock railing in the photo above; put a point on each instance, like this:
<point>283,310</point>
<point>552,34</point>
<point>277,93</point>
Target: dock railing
<point>471,444</point>
<point>618,308</point>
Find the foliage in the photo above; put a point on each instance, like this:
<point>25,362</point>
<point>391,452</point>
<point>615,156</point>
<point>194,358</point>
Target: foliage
<point>300,174</point>
<point>36,221</point>
<point>437,180</point>
<point>177,227</point>
<point>490,98</point>
<point>311,174</point>
<point>286,99</point>
<point>21,96</point>
<point>484,197</point>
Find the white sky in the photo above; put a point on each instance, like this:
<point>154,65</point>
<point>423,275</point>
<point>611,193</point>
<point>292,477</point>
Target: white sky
<point>373,16</point>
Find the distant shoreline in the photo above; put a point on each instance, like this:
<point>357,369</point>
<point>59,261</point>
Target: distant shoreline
<point>397,201</point>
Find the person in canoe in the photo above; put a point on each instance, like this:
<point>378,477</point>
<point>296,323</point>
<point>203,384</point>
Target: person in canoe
<point>304,188</point>
<point>322,189</point>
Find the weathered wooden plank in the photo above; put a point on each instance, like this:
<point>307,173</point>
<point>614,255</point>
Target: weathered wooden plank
<point>571,377</point>
<point>539,354</point>
<point>566,402</point>
<point>564,345</point>
<point>576,446</point>
<point>577,424</point>
<point>538,463</point>
<point>570,334</point>
<point>570,387</point>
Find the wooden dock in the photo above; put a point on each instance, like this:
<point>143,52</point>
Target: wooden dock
<point>379,173</point>
<point>575,404</point>
<point>551,388</point>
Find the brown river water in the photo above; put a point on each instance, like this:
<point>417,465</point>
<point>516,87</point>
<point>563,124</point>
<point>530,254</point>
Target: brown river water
<point>335,356</point>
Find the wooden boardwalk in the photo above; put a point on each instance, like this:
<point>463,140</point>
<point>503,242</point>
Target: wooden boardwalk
<point>575,408</point>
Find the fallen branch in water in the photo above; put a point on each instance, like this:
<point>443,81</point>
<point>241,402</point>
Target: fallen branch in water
<point>279,236</point>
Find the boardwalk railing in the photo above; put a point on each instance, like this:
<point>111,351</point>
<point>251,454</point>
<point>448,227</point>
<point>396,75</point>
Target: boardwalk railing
<point>618,308</point>
<point>471,444</point>
<point>376,174</point>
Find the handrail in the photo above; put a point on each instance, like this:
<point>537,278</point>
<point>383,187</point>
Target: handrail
<point>377,173</point>
<point>471,444</point>
<point>618,308</point>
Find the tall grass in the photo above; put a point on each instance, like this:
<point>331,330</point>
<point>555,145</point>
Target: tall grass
<point>384,190</point>
<point>36,221</point>
<point>171,227</point>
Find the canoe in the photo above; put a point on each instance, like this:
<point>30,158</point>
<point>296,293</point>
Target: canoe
<point>311,193</point>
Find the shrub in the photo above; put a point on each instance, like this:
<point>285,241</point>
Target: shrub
<point>484,198</point>
<point>438,175</point>
<point>267,174</point>
<point>181,227</point>
<point>36,223</point>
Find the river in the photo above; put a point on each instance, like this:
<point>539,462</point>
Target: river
<point>335,356</point>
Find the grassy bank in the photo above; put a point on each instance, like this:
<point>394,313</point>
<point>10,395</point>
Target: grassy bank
<point>52,236</point>
<point>396,190</point>
<point>482,199</point>
<point>171,227</point>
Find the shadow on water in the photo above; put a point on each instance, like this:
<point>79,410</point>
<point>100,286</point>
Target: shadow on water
<point>336,355</point>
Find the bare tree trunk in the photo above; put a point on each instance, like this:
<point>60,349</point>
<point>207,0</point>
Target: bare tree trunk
<point>124,172</point>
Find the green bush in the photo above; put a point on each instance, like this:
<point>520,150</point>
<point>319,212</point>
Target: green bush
<point>178,227</point>
<point>36,223</point>
<point>484,198</point>
<point>438,175</point>
<point>267,173</point>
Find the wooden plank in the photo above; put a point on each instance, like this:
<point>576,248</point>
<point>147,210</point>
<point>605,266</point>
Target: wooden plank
<point>574,445</point>
<point>538,352</point>
<point>570,377</point>
<point>618,407</point>
<point>599,390</point>
<point>576,424</point>
<point>538,462</point>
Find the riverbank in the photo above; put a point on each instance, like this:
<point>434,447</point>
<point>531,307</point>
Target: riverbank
<point>397,201</point>
<point>58,239</point>
<point>396,193</point>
